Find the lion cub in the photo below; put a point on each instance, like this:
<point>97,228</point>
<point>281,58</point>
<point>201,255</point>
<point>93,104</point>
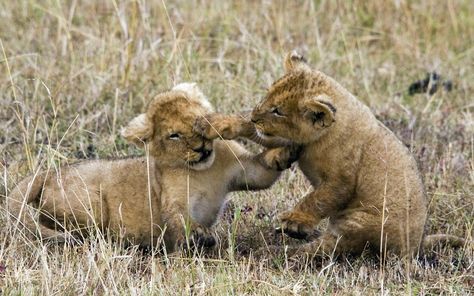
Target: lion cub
<point>365,180</point>
<point>184,181</point>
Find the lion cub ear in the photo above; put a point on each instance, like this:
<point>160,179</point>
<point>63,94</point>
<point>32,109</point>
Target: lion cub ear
<point>319,110</point>
<point>138,130</point>
<point>294,61</point>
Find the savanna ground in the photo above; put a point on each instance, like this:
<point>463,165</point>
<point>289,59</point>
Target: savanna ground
<point>74,72</point>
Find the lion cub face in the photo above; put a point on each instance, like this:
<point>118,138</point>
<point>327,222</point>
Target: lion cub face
<point>167,128</point>
<point>294,109</point>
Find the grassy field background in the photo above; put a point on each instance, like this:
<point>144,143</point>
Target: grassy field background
<point>72,73</point>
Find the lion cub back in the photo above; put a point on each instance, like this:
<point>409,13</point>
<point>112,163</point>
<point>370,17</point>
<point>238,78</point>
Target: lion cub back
<point>102,194</point>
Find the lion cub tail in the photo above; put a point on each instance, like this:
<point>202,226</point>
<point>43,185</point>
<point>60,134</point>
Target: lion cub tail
<point>27,192</point>
<point>432,240</point>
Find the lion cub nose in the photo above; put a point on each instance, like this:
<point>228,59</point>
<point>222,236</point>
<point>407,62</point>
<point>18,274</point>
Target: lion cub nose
<point>255,117</point>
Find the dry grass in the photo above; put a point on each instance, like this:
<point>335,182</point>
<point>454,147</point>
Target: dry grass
<point>73,72</point>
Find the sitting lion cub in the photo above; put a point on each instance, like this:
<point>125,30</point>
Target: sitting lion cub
<point>184,181</point>
<point>364,178</point>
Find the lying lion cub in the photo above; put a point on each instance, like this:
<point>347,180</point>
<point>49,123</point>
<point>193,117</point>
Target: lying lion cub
<point>184,181</point>
<point>364,178</point>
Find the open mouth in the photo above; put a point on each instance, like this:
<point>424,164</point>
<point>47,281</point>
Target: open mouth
<point>204,162</point>
<point>205,155</point>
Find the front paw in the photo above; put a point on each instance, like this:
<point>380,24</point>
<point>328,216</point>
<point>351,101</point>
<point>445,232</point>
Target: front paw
<point>297,225</point>
<point>281,158</point>
<point>199,237</point>
<point>215,126</point>
<point>202,237</point>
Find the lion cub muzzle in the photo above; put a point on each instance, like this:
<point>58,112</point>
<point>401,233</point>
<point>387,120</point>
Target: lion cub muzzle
<point>204,152</point>
<point>202,156</point>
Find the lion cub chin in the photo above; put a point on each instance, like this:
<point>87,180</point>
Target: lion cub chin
<point>179,189</point>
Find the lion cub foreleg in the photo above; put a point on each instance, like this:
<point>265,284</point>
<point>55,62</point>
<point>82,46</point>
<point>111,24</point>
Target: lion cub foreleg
<point>262,170</point>
<point>228,127</point>
<point>305,216</point>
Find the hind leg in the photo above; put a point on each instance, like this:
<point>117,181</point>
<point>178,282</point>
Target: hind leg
<point>52,235</point>
<point>31,226</point>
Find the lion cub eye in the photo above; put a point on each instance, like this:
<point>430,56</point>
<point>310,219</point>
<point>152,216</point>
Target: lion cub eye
<point>276,111</point>
<point>175,136</point>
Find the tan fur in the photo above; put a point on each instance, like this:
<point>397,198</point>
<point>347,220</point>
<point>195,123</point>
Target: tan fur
<point>365,180</point>
<point>184,181</point>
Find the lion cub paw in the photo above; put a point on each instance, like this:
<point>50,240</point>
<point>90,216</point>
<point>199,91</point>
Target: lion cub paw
<point>281,158</point>
<point>215,125</point>
<point>202,237</point>
<point>297,225</point>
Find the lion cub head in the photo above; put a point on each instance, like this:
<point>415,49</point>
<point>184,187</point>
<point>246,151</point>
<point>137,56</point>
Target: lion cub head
<point>297,107</point>
<point>167,128</point>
